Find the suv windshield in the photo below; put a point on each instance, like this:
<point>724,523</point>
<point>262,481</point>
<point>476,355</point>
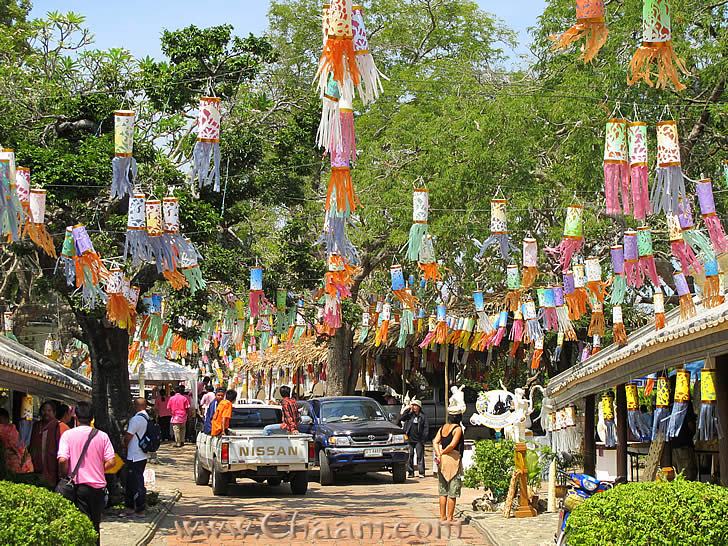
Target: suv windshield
<point>351,410</point>
<point>255,417</point>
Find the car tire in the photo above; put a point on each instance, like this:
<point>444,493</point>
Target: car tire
<point>202,476</point>
<point>274,482</point>
<point>219,482</point>
<point>399,472</point>
<point>299,482</point>
<point>325,472</point>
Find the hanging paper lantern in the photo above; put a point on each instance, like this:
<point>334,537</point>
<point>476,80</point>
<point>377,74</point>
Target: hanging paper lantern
<point>501,326</point>
<point>537,354</point>
<point>68,253</point>
<point>179,245</point>
<point>616,167</point>
<point>711,290</point>
<point>124,166</point>
<point>90,271</point>
<point>485,328</point>
<point>155,325</point>
<point>573,238</point>
<point>656,48</point>
<point>11,210</point>
<point>131,293</point>
<point>648,267</point>
<point>696,239</point>
<point>207,147</point>
<point>427,262</point>
<point>590,25</point>
<point>22,185</point>
<point>137,240</point>
<point>256,296</point>
<point>406,324</point>
<point>687,307</point>
<point>662,404</point>
<point>530,262</point>
<point>619,283</point>
<point>682,252</point>
<point>339,277</point>
<point>341,187</point>
<point>680,406</point>
<point>338,57</point>
<point>575,300</point>
<point>533,326</point>
<point>189,266</point>
<point>117,306</point>
<point>658,305</point>
<point>498,231</point>
<point>370,83</point>
<point>669,180</point>
<point>637,140</point>
<point>438,333</point>
<point>547,302</point>
<point>517,330</point>
<point>566,328</point>
<point>704,189</point>
<point>708,423</point>
<point>620,333</point>
<point>594,282</point>
<point>329,129</point>
<point>347,144</point>
<point>634,418</point>
<point>597,325</point>
<point>633,275</point>
<point>607,406</point>
<point>35,227</point>
<point>420,212</point>
<point>512,299</point>
<point>399,289</point>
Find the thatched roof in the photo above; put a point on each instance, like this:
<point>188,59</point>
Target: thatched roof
<point>296,355</point>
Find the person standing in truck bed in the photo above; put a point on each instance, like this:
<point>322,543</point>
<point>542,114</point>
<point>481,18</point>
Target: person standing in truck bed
<point>291,415</point>
<point>223,414</point>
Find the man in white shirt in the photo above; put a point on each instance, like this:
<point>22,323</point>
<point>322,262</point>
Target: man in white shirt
<point>136,460</point>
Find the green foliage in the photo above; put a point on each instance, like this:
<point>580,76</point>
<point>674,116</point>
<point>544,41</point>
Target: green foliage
<point>36,516</point>
<point>654,513</point>
<point>493,467</point>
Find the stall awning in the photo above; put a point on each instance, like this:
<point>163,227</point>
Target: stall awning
<point>25,370</point>
<point>158,368</point>
<point>647,351</point>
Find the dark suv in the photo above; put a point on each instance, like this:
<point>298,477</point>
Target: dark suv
<point>353,433</point>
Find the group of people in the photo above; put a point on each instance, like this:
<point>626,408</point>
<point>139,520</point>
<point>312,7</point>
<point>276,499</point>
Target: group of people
<point>448,446</point>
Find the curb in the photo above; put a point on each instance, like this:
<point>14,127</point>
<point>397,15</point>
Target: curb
<point>477,524</point>
<point>153,525</point>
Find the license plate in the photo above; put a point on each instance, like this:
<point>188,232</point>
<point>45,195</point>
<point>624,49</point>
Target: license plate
<point>375,452</point>
<point>267,471</point>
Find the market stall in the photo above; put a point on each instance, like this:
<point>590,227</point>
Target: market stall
<point>156,370</point>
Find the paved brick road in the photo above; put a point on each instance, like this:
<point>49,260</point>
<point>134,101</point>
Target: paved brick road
<point>358,510</point>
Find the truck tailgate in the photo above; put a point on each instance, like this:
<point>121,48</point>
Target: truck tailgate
<point>268,450</point>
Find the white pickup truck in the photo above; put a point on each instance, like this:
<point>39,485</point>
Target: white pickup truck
<point>247,452</point>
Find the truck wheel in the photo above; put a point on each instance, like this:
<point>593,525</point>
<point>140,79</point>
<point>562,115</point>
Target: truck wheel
<point>274,481</point>
<point>399,473</point>
<point>299,482</point>
<point>202,476</point>
<point>219,482</point>
<point>326,474</point>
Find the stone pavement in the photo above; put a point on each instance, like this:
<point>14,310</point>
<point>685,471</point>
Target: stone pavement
<point>499,531</point>
<point>358,510</point>
<point>118,530</point>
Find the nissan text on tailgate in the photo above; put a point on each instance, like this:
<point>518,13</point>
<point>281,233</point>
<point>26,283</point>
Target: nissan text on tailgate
<point>249,453</point>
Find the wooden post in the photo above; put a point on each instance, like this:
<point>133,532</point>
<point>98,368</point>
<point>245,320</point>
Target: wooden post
<point>525,510</point>
<point>721,389</point>
<point>590,445</point>
<point>447,382</point>
<point>621,433</point>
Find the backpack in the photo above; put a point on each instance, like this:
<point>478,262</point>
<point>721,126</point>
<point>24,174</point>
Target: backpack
<point>149,443</point>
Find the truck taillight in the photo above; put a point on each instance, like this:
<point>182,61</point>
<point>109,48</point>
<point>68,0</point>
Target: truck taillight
<point>311,451</point>
<point>225,453</point>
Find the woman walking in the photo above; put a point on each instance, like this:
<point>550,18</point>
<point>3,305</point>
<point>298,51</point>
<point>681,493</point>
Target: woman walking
<point>448,445</point>
<point>44,442</point>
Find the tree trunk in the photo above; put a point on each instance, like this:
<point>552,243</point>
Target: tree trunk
<point>355,370</point>
<point>109,352</point>
<point>339,362</point>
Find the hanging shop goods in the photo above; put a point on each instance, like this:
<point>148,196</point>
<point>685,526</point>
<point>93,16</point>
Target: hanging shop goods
<point>566,328</point>
<point>117,306</point>
<point>634,417</point>
<point>594,283</point>
<point>517,331</point>
<point>607,407</point>
<point>597,325</point>
<point>35,227</point>
<point>656,49</point>
<point>574,292</point>
<point>547,303</point>
<point>12,216</point>
<point>370,83</point>
<point>616,167</point>
<point>329,129</point>
<point>648,267</point>
<point>137,240</point>
<point>418,231</point>
<point>573,238</point>
<point>638,173</point>
<point>680,406</point>
<point>207,147</point>
<point>620,333</point>
<point>687,307</point>
<point>530,262</point>
<point>669,183</point>
<point>90,271</point>
<point>498,231</point>
<point>662,412</point>
<point>124,165</point>
<point>590,25</point>
<point>338,57</point>
<point>68,254</point>
<point>512,300</point>
<point>658,305</point>
<point>159,251</point>
<point>533,325</point>
<point>704,189</point>
<point>619,284</point>
<point>708,424</point>
<point>711,289</point>
<point>537,354</point>
<point>682,251</point>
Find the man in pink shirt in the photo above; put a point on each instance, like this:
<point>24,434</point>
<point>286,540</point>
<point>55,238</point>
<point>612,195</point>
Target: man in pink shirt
<point>164,416</point>
<point>90,480</point>
<point>179,407</point>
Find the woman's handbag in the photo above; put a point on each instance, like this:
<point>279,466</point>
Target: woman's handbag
<point>66,486</point>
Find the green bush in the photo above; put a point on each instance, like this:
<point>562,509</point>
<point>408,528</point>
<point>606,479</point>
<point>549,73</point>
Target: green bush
<point>492,468</point>
<point>35,516</point>
<point>652,513</point>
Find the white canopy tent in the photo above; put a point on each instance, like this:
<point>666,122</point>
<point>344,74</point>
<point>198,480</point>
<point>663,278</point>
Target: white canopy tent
<point>157,370</point>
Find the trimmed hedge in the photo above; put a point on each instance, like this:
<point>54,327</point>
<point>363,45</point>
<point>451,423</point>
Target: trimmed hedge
<point>35,516</point>
<point>652,513</point>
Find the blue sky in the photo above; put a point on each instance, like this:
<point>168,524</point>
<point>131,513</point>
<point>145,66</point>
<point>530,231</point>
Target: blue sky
<point>136,25</point>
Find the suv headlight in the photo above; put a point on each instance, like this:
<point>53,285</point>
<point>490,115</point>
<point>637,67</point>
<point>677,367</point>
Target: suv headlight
<point>340,441</point>
<point>398,438</point>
